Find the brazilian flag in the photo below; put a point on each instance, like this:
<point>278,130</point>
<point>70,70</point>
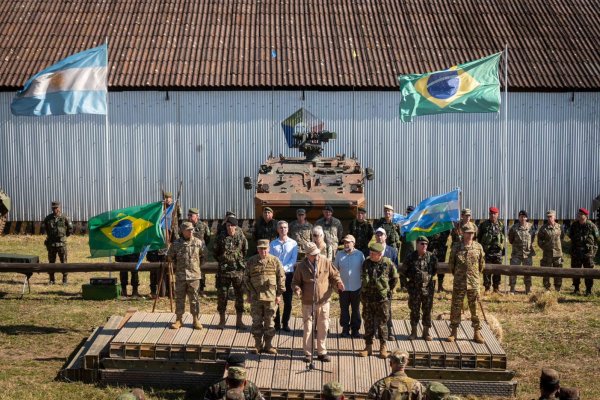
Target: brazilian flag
<point>473,87</point>
<point>126,231</point>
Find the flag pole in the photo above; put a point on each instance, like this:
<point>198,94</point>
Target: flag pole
<point>505,147</point>
<point>106,143</point>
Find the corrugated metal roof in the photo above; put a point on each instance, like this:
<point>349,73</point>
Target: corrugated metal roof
<point>185,44</point>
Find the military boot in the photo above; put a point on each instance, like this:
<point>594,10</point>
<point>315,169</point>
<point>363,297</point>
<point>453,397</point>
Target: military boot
<point>452,336</point>
<point>177,324</point>
<point>440,286</point>
<point>478,337</point>
<point>413,332</point>
<point>269,349</point>
<point>383,353</point>
<point>196,324</point>
<point>258,346</point>
<point>123,290</point>
<point>135,292</point>
<point>366,352</point>
<point>221,320</point>
<point>426,334</point>
<point>239,323</point>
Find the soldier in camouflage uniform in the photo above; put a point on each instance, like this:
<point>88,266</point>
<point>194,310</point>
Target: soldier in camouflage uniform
<point>584,244</point>
<point>550,241</point>
<point>202,232</point>
<point>332,391</point>
<point>300,230</point>
<point>378,277</point>
<point>222,227</point>
<point>332,227</point>
<point>186,253</point>
<point>392,230</point>
<point>266,226</point>
<point>265,282</point>
<point>438,245</point>
<point>521,235</point>
<point>437,391</point>
<point>397,385</point>
<point>124,275</point>
<point>362,230</point>
<point>491,236</point>
<point>420,268</point>
<point>466,262</point>
<point>217,391</point>
<point>58,227</point>
<point>235,380</point>
<point>465,218</point>
<point>229,251</point>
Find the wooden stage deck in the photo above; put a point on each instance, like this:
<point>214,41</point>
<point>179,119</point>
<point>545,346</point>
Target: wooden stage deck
<point>140,347</point>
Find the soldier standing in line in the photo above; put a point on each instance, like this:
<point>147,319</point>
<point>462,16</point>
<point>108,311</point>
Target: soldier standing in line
<point>378,277</point>
<point>491,236</point>
<point>217,390</point>
<point>420,268</point>
<point>58,227</point>
<point>406,248</point>
<point>465,218</point>
<point>466,262</point>
<point>332,227</point>
<point>392,230</point>
<point>229,251</point>
<point>438,245</point>
<point>521,235</point>
<point>584,244</point>
<point>300,229</point>
<point>222,227</point>
<point>397,385</point>
<point>550,241</point>
<point>265,227</point>
<point>362,230</point>
<point>186,254</point>
<point>202,232</point>
<point>332,391</point>
<point>391,253</point>
<point>265,283</point>
<point>124,275</point>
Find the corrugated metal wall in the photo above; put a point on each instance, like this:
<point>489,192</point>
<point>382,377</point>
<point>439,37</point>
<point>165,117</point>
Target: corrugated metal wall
<point>211,140</point>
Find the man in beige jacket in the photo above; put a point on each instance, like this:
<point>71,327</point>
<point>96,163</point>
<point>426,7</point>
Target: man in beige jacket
<point>315,279</point>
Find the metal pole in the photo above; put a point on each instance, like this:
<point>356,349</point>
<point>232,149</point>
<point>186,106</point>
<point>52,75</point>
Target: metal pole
<point>106,143</point>
<point>505,158</point>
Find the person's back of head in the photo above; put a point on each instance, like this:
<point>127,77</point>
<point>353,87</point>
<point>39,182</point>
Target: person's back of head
<point>236,377</point>
<point>568,394</point>
<point>549,381</point>
<point>332,391</point>
<point>437,391</point>
<point>398,360</point>
<point>235,394</point>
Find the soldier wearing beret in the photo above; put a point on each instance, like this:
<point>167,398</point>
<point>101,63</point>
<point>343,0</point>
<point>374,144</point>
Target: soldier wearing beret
<point>437,391</point>
<point>332,227</point>
<point>397,385</point>
<point>378,278</point>
<point>491,237</point>
<point>230,251</point>
<point>550,241</point>
<point>300,229</point>
<point>265,227</point>
<point>234,387</point>
<point>584,244</point>
<point>58,227</point>
<point>218,390</point>
<point>332,391</point>
<point>420,268</point>
<point>521,235</point>
<point>549,384</point>
<point>202,232</point>
<point>362,230</point>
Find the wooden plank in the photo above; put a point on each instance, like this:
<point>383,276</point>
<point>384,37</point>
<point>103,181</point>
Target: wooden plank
<point>285,340</point>
<point>378,369</point>
<point>331,342</point>
<point>129,327</point>
<point>225,340</point>
<point>243,339</point>
<point>299,330</point>
<point>346,373</point>
<point>482,354</point>
<point>213,335</point>
<point>143,328</point>
<point>281,376</point>
<point>252,366</point>
<point>101,345</point>
<point>362,375</point>
<point>452,357</point>
<point>464,343</point>
<point>197,336</point>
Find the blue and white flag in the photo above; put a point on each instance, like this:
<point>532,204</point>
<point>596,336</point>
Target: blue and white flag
<point>75,85</point>
<point>433,215</point>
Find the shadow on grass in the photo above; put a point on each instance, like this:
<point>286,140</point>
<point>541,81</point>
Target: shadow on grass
<point>50,359</point>
<point>31,330</point>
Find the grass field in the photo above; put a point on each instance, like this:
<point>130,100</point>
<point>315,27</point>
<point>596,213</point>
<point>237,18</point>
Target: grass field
<point>38,332</point>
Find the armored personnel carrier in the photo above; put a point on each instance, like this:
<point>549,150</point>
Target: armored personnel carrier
<point>4,209</point>
<point>288,183</point>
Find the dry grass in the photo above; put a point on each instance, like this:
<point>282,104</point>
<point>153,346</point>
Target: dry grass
<point>38,333</point>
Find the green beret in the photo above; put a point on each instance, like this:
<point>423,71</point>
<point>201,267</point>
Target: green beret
<point>237,373</point>
<point>333,389</point>
<point>362,209</point>
<point>423,239</point>
<point>376,247</point>
<point>193,211</point>
<point>437,391</point>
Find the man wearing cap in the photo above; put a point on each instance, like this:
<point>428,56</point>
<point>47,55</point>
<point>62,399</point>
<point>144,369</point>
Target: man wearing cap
<point>332,227</point>
<point>186,253</point>
<point>397,385</point>
<point>362,230</point>
<point>58,227</point>
<point>465,218</point>
<point>466,262</point>
<point>266,226</point>
<point>299,230</point>
<point>349,262</point>
<point>314,281</point>
<point>438,246</point>
<point>491,236</point>
<point>230,251</point>
<point>235,382</point>
<point>584,244</point>
<point>265,282</point>
<point>332,391</point>
<point>521,235</point>
<point>202,232</point>
<point>218,390</point>
<point>378,277</point>
<point>392,231</point>
<point>549,384</point>
<point>391,253</point>
<point>286,250</point>
<point>550,241</point>
<point>420,268</point>
<point>437,391</point>
<point>222,227</point>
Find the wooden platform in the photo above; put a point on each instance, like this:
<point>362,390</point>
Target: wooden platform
<point>140,349</point>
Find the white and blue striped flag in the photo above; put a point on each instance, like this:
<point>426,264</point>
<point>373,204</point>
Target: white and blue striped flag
<point>75,85</point>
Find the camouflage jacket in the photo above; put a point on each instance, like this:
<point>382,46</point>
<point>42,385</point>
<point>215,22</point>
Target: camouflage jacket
<point>219,390</point>
<point>419,271</point>
<point>265,230</point>
<point>584,238</point>
<point>398,386</point>
<point>327,250</point>
<point>202,231</point>
<point>377,279</point>
<point>438,245</point>
<point>264,279</point>
<point>406,247</point>
<point>491,237</point>
<point>550,240</point>
<point>392,232</point>
<point>456,233</point>
<point>334,232</point>
<point>466,264</point>
<point>58,227</point>
<point>186,256</point>
<point>521,237</point>
<point>300,233</point>
<point>362,232</point>
<point>229,251</point>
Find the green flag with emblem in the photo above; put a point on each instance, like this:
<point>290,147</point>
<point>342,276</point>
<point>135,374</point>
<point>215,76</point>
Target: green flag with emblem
<point>126,231</point>
<point>473,87</point>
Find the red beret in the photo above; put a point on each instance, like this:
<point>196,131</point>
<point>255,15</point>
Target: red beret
<point>494,210</point>
<point>584,211</point>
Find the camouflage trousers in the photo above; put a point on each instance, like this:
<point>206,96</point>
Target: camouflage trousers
<point>458,297</point>
<point>185,288</point>
<point>419,301</point>
<point>516,260</point>
<point>583,261</point>
<point>263,319</point>
<point>492,279</point>
<point>61,252</point>
<point>553,262</point>
<point>224,280</point>
<point>375,316</point>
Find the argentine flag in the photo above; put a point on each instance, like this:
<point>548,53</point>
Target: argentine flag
<point>433,215</point>
<point>75,85</point>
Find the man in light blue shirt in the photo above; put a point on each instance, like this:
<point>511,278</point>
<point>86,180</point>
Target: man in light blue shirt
<point>286,250</point>
<point>349,263</point>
